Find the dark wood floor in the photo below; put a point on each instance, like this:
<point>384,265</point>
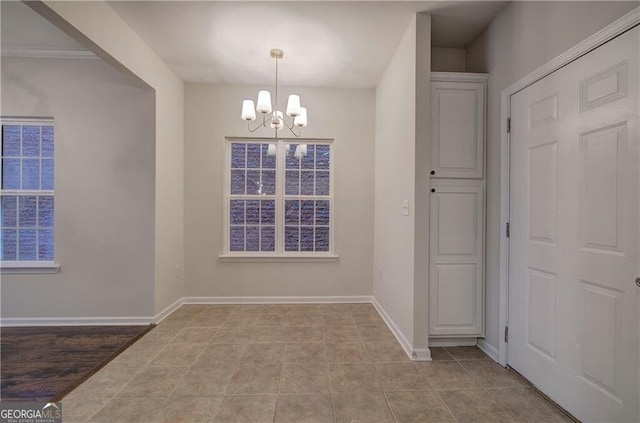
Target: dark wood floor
<point>44,363</point>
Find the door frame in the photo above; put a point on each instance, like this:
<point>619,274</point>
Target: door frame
<point>606,34</point>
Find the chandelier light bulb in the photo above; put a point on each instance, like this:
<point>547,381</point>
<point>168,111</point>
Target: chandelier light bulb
<point>277,122</point>
<point>293,105</point>
<point>301,119</point>
<point>248,112</point>
<point>264,102</point>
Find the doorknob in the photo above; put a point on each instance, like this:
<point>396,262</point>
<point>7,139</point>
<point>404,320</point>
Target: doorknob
<point>638,281</point>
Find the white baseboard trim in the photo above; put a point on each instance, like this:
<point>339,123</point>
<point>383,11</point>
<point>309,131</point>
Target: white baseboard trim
<point>488,349</point>
<point>75,321</point>
<point>453,342</point>
<point>170,309</point>
<point>276,300</point>
<point>423,354</point>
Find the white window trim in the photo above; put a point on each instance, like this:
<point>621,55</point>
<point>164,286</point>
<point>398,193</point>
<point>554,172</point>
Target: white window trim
<point>279,255</point>
<point>29,266</point>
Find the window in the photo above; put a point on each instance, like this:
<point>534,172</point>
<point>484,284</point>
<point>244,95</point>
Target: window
<point>27,192</point>
<point>279,198</point>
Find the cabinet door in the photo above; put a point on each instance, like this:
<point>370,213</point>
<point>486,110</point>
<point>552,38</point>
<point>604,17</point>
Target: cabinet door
<point>457,129</point>
<point>456,260</point>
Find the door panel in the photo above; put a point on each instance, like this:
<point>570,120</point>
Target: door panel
<point>457,129</point>
<point>574,247</point>
<point>456,259</point>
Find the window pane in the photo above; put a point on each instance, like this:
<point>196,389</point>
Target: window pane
<point>322,157</point>
<point>45,211</point>
<point>237,212</point>
<point>47,174</point>
<point>292,212</point>
<point>322,239</point>
<point>27,207</point>
<point>306,183</point>
<point>268,161</point>
<point>253,238</point>
<point>237,181</point>
<point>308,161</point>
<point>322,212</point>
<point>27,244</point>
<point>292,162</point>
<point>292,182</point>
<point>45,244</point>
<point>306,238</point>
<point>322,183</point>
<point>47,141</point>
<point>238,153</point>
<point>268,212</point>
<point>11,140</point>
<point>9,205</point>
<point>253,156</point>
<point>9,244</point>
<point>31,141</point>
<point>307,212</point>
<point>11,173</point>
<point>253,182</point>
<point>253,212</point>
<point>268,240</point>
<point>291,238</point>
<point>268,182</point>
<point>31,174</point>
<point>237,238</point>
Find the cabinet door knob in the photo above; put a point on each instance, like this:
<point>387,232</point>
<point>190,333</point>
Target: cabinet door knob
<point>433,190</point>
<point>433,172</point>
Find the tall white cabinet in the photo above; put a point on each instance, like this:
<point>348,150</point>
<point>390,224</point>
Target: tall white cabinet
<point>457,205</point>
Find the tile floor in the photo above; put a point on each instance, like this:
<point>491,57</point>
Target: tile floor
<point>297,364</point>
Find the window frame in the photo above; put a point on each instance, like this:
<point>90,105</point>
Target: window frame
<point>280,197</point>
<point>30,266</point>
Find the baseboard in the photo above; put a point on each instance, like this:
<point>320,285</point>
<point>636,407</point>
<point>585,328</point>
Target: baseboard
<point>488,349</point>
<point>422,354</point>
<point>75,321</point>
<point>276,300</point>
<point>170,309</point>
<point>453,342</point>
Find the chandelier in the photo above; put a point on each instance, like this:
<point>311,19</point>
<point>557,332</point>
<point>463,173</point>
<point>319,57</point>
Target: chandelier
<point>275,118</point>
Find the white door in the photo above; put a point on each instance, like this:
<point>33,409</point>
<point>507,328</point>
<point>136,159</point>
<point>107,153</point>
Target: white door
<point>456,258</point>
<point>574,253</point>
<point>457,129</point>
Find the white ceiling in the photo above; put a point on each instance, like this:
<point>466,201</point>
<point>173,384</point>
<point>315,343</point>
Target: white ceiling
<point>325,43</point>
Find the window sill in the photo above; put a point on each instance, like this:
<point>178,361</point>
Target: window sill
<point>29,267</point>
<point>279,258</point>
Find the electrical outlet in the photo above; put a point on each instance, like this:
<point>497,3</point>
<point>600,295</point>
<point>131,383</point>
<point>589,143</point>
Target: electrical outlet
<point>177,270</point>
<point>380,276</point>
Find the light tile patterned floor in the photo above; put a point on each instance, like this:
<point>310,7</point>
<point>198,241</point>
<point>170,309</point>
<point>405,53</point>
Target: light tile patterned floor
<point>333,363</point>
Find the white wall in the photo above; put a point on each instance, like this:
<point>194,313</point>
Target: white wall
<point>448,59</point>
<point>212,112</point>
<point>522,38</point>
<point>104,189</point>
<point>100,29</point>
<point>401,163</point>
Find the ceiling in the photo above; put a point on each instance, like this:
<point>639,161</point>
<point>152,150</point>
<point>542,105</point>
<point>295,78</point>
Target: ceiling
<point>325,43</point>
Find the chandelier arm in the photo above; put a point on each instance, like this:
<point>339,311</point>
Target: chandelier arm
<point>264,123</point>
<point>290,128</point>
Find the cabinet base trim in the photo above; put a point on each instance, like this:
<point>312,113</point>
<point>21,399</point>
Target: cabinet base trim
<point>453,342</point>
